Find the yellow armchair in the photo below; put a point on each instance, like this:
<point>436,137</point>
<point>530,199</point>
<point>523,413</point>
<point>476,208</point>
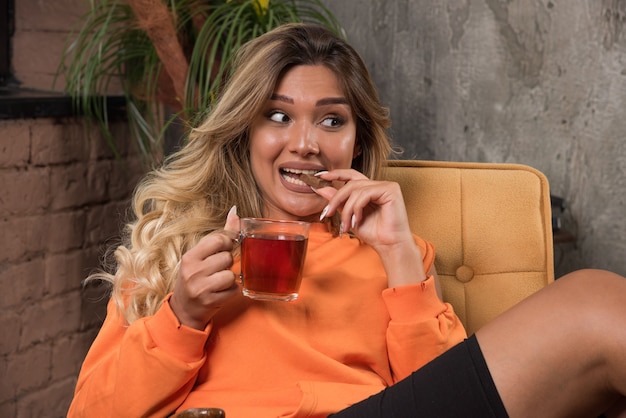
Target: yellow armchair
<point>491,226</point>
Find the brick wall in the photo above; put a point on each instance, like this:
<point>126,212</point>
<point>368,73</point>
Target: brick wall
<point>41,33</point>
<point>62,198</point>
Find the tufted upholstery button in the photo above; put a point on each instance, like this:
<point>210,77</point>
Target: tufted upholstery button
<point>464,274</point>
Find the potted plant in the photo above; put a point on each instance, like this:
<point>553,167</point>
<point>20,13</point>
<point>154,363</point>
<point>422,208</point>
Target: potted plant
<point>167,57</point>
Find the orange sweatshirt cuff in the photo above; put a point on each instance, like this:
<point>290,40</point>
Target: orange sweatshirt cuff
<point>180,341</point>
<point>414,302</point>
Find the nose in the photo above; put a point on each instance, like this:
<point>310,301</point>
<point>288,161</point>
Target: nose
<point>303,140</point>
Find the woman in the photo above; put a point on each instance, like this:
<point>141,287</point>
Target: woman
<point>179,334</point>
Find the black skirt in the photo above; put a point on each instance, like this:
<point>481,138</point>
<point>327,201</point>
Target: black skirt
<point>455,384</point>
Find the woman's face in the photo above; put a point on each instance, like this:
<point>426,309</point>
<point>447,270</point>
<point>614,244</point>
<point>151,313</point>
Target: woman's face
<point>305,127</point>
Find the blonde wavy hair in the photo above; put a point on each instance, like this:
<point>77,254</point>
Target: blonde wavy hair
<point>190,195</point>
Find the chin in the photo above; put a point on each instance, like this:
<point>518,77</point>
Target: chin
<point>303,214</point>
<point>305,208</point>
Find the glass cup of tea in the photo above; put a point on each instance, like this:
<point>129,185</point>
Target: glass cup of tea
<point>272,258</point>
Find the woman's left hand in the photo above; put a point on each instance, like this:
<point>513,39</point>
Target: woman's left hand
<point>373,210</point>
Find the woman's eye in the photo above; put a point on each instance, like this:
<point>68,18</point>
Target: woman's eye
<point>332,122</point>
<point>277,116</point>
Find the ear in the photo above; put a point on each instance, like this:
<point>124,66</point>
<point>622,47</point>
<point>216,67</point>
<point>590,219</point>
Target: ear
<point>357,150</point>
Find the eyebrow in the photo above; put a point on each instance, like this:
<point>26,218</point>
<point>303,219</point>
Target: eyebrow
<point>320,102</point>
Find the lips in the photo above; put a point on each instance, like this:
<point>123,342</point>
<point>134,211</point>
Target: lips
<point>292,175</point>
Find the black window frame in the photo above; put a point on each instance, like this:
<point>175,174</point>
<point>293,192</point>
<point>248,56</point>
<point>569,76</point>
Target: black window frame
<point>6,32</point>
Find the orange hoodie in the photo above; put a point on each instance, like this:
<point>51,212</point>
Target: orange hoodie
<point>346,337</point>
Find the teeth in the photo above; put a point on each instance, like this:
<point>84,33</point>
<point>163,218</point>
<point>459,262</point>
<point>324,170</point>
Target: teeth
<point>297,171</point>
<point>294,180</point>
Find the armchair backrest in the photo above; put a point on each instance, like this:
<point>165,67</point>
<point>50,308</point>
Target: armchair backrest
<point>491,227</point>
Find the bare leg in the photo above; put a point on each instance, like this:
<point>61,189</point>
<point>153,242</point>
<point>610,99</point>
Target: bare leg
<point>562,351</point>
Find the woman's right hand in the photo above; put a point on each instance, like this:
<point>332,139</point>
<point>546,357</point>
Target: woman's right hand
<point>204,281</point>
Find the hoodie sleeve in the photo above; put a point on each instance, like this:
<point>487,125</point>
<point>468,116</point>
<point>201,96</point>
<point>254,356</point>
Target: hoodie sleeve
<point>421,326</point>
<point>146,368</point>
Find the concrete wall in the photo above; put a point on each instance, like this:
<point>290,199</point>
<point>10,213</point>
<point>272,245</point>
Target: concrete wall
<point>536,82</point>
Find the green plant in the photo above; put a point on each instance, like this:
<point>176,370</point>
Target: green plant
<point>167,57</point>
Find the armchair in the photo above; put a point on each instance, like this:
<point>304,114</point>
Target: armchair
<point>491,227</point>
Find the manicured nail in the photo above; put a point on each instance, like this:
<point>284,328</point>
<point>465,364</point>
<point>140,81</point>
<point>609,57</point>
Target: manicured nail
<point>319,173</point>
<point>341,230</point>
<point>353,221</point>
<point>232,211</point>
<point>324,212</point>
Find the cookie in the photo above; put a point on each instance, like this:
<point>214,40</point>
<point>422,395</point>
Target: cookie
<point>315,182</point>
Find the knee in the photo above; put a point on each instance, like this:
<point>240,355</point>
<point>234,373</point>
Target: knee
<point>595,297</point>
<point>591,281</point>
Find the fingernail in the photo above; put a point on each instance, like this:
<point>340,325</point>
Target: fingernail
<point>324,212</point>
<point>319,173</point>
<point>341,228</point>
<point>232,211</point>
<point>353,221</point>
